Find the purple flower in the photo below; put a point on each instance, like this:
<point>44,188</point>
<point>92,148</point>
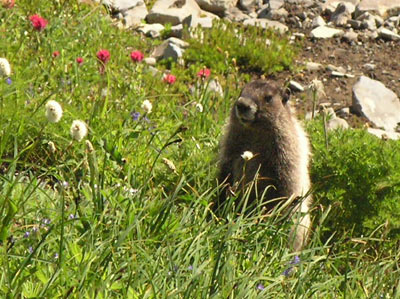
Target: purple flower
<point>295,261</point>
<point>135,115</point>
<point>46,221</point>
<point>27,234</point>
<point>71,216</point>
<point>260,286</point>
<point>35,229</point>
<point>9,81</point>
<point>56,255</point>
<point>30,249</point>
<point>190,268</point>
<point>287,271</point>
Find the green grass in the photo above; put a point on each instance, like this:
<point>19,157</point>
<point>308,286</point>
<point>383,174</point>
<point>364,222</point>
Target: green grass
<point>119,222</point>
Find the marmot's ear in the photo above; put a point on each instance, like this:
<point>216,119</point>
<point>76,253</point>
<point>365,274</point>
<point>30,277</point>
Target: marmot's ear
<point>286,95</point>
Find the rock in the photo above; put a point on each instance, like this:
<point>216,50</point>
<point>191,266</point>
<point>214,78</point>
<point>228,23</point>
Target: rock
<point>152,30</point>
<point>248,5</point>
<point>295,86</point>
<point>234,14</point>
<point>344,112</point>
<point>369,66</point>
<point>313,66</point>
<point>350,36</point>
<point>317,22</point>
<point>342,13</point>
<point>330,5</point>
<point>367,21</point>
<point>277,14</point>
<point>381,7</point>
<point>387,34</point>
<point>134,17</point>
<point>384,134</point>
<point>122,5</point>
<point>150,61</point>
<point>219,7</point>
<point>337,74</point>
<point>333,68</point>
<point>177,31</point>
<point>215,87</point>
<point>264,23</point>
<point>171,48</point>
<point>173,12</point>
<point>325,32</point>
<point>337,123</point>
<point>377,103</point>
<point>276,4</point>
<point>355,24</point>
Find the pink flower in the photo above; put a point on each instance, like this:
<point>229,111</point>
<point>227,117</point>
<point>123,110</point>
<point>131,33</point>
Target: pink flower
<point>204,73</point>
<point>170,79</point>
<point>8,3</point>
<point>103,56</point>
<point>38,22</point>
<point>56,54</point>
<point>79,60</point>
<point>137,56</point>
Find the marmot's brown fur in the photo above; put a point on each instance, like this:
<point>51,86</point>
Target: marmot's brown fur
<point>263,123</point>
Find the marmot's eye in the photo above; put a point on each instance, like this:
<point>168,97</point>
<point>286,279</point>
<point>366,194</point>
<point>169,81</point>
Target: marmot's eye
<point>268,98</point>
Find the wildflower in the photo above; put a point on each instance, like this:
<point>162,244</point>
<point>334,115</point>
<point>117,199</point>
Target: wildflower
<point>79,60</point>
<point>9,81</point>
<point>65,184</point>
<point>38,22</point>
<point>170,79</point>
<point>52,146</point>
<point>5,68</point>
<point>46,221</point>
<point>260,286</point>
<point>135,116</point>
<point>8,3</point>
<point>204,73</point>
<point>190,268</point>
<point>56,255</point>
<point>56,54</point>
<point>295,261</point>
<point>137,56</point>
<point>199,107</point>
<point>30,249</point>
<point>247,155</point>
<point>78,130</point>
<point>103,56</point>
<point>53,111</point>
<point>71,216</point>
<point>147,106</point>
<point>27,234</point>
<point>35,229</point>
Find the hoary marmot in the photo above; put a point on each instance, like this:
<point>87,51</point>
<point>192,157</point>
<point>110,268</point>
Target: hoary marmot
<point>265,144</point>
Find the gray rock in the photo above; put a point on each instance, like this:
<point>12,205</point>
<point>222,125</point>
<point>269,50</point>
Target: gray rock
<point>367,21</point>
<point>330,5</point>
<point>134,17</point>
<point>249,5</point>
<point>295,86</point>
<point>122,5</point>
<point>264,23</point>
<point>325,32</point>
<point>150,61</point>
<point>369,66</point>
<point>377,103</point>
<point>337,74</point>
<point>342,13</point>
<point>337,123</point>
<point>234,14</point>
<point>355,24</point>
<point>384,134</point>
<point>277,14</point>
<point>333,68</point>
<point>313,66</point>
<point>171,48</point>
<point>152,30</point>
<point>219,7</point>
<point>276,4</point>
<point>387,34</point>
<point>344,112</point>
<point>318,21</point>
<point>350,36</point>
<point>173,12</point>
<point>381,7</point>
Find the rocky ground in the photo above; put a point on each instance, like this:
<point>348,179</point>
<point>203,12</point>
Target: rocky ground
<point>342,41</point>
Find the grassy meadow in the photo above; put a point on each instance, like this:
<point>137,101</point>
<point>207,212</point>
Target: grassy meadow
<point>125,211</point>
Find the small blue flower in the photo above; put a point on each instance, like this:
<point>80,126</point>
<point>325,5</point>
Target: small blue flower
<point>135,115</point>
<point>56,255</point>
<point>287,271</point>
<point>71,216</point>
<point>30,249</point>
<point>46,221</point>
<point>35,229</point>
<point>260,286</point>
<point>190,268</point>
<point>295,261</point>
<point>9,81</point>
<point>27,234</point>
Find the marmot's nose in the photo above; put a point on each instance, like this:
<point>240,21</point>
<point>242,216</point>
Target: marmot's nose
<point>243,107</point>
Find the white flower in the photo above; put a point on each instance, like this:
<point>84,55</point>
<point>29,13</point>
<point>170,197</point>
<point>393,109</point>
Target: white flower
<point>247,155</point>
<point>52,147</point>
<point>199,107</point>
<point>5,68</point>
<point>53,111</point>
<point>147,106</point>
<point>78,130</point>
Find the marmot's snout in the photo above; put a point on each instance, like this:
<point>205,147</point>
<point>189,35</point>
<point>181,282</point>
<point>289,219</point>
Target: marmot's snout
<point>245,109</point>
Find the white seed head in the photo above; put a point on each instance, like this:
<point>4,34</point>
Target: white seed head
<point>78,130</point>
<point>5,68</point>
<point>247,155</point>
<point>52,146</point>
<point>147,106</point>
<point>53,111</point>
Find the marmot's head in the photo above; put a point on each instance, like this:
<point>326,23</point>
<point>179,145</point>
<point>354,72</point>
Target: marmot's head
<point>261,103</point>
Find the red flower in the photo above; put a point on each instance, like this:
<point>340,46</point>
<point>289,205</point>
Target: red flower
<point>56,54</point>
<point>79,60</point>
<point>103,56</point>
<point>38,22</point>
<point>8,3</point>
<point>137,56</point>
<point>204,73</point>
<point>170,79</point>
